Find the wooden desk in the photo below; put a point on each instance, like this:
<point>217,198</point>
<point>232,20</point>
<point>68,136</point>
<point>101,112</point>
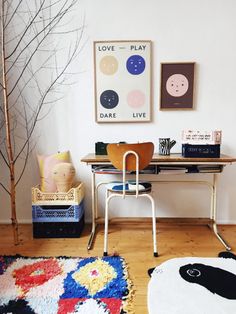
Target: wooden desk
<point>173,163</point>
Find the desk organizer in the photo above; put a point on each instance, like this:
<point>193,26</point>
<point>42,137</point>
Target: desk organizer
<point>58,215</point>
<point>201,151</point>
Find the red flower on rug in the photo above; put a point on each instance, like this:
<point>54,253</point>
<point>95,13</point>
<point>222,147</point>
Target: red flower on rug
<point>64,285</point>
<point>36,274</point>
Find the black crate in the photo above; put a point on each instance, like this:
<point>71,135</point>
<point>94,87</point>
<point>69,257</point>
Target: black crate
<point>58,229</point>
<point>201,151</point>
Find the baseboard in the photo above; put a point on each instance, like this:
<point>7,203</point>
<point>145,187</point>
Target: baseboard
<point>20,221</point>
<point>219,222</point>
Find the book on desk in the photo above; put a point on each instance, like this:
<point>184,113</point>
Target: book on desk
<point>167,169</point>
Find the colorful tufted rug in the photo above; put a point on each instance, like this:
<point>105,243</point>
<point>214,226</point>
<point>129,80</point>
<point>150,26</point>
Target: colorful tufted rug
<point>64,285</point>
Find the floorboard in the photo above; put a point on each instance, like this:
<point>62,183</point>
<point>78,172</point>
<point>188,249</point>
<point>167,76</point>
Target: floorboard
<point>132,242</point>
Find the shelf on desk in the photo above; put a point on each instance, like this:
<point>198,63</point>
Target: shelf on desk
<point>162,169</point>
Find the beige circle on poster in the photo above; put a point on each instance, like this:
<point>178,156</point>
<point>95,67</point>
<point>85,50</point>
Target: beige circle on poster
<point>108,65</point>
<point>177,85</point>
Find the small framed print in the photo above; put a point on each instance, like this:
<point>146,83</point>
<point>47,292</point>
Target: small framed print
<point>177,85</point>
<point>122,81</point>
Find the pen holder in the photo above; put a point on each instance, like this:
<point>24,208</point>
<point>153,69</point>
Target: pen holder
<point>165,145</point>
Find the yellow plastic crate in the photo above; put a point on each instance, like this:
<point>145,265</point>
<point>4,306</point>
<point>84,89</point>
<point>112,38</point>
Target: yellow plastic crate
<point>73,197</point>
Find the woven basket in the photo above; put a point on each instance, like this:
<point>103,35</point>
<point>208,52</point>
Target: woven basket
<point>73,197</point>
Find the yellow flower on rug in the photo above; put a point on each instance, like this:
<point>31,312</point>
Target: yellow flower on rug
<point>95,276</point>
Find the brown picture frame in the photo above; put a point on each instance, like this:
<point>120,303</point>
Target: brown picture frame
<point>177,85</point>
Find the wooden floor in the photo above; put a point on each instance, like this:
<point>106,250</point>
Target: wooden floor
<point>132,241</point>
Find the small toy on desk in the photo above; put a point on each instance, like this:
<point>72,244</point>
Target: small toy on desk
<point>101,148</point>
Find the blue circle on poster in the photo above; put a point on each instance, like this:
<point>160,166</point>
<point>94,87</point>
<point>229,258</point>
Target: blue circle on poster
<point>135,64</point>
<point>109,99</point>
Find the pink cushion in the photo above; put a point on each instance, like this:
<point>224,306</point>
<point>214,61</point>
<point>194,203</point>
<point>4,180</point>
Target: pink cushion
<point>46,164</point>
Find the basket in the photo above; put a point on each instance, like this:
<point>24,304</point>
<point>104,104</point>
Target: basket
<point>58,213</point>
<point>73,197</point>
<point>58,229</point>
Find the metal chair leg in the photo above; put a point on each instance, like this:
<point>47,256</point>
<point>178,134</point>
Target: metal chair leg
<point>155,254</point>
<point>106,224</point>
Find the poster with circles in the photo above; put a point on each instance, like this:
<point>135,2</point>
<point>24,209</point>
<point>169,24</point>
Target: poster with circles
<point>122,81</point>
<point>177,87</point>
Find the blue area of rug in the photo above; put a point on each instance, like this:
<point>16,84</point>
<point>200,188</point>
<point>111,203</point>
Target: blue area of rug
<point>61,285</point>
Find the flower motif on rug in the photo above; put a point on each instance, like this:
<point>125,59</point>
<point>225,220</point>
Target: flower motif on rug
<point>95,276</point>
<point>36,274</point>
<point>63,285</point>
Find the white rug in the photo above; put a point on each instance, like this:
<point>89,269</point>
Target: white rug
<point>194,285</point>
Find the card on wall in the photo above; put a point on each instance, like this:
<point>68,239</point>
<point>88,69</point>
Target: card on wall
<point>122,81</point>
<point>177,85</point>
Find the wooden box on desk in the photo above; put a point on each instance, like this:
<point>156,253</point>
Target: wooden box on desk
<point>58,215</point>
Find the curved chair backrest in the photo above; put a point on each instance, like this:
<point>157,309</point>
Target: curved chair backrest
<point>144,151</point>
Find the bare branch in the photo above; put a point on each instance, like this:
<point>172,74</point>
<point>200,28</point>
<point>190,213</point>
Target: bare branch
<point>5,160</point>
<point>27,150</point>
<point>13,14</point>
<point>33,75</point>
<point>8,192</point>
<point>26,29</point>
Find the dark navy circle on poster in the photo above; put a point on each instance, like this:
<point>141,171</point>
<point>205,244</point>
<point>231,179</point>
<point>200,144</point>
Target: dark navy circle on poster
<point>135,64</point>
<point>109,99</point>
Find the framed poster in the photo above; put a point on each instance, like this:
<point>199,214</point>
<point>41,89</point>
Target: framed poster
<point>122,72</point>
<point>177,85</point>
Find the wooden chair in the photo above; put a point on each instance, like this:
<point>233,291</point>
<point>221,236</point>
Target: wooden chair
<point>130,158</point>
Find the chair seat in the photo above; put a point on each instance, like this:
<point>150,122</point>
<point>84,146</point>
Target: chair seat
<point>130,187</point>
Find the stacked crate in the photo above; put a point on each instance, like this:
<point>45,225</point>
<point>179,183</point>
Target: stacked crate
<point>58,215</point>
<point>196,143</point>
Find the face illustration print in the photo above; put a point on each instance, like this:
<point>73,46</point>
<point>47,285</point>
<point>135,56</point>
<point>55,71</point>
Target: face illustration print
<point>177,85</point>
<point>135,64</point>
<point>108,65</point>
<point>109,99</point>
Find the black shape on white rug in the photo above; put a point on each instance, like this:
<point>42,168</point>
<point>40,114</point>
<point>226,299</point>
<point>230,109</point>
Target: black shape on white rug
<point>194,285</point>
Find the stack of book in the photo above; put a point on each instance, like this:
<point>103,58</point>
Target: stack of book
<point>201,144</point>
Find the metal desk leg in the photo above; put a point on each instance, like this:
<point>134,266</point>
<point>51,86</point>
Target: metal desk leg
<point>92,234</point>
<point>214,208</point>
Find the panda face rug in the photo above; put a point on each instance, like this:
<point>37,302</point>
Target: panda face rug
<point>194,285</point>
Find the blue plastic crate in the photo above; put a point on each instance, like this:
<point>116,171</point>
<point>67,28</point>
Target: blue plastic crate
<point>57,213</point>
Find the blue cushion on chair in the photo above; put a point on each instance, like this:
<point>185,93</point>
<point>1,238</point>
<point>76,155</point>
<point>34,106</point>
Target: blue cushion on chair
<point>130,186</point>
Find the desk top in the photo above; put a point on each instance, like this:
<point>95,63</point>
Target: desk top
<point>161,159</point>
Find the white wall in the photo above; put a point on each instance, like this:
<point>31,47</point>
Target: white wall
<point>202,31</point>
